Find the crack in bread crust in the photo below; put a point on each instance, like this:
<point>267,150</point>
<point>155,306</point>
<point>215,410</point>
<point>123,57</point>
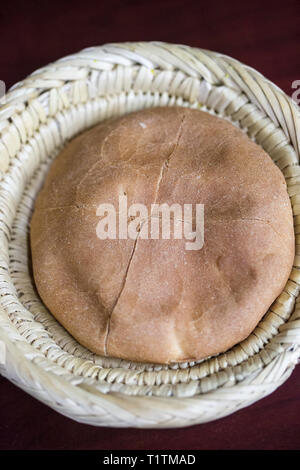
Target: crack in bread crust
<point>159,180</point>
<point>120,293</point>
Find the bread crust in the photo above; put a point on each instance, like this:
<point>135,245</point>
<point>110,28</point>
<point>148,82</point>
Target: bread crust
<point>153,300</point>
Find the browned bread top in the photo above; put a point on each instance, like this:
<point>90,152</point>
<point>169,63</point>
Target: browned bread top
<point>152,299</point>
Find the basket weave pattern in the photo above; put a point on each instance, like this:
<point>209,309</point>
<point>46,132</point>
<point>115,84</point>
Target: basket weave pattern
<point>39,116</point>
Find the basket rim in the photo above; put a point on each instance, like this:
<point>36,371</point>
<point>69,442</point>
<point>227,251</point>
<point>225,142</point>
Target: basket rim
<point>265,379</point>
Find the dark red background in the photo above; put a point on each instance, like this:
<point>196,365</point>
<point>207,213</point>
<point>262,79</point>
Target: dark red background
<point>262,34</point>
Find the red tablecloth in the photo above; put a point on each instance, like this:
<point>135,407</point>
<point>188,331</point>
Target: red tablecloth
<point>263,34</point>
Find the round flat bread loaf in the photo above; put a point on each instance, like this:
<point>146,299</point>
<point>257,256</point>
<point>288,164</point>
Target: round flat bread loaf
<point>154,300</point>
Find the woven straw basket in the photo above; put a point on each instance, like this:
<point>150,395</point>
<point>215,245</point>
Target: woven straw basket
<point>38,117</point>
